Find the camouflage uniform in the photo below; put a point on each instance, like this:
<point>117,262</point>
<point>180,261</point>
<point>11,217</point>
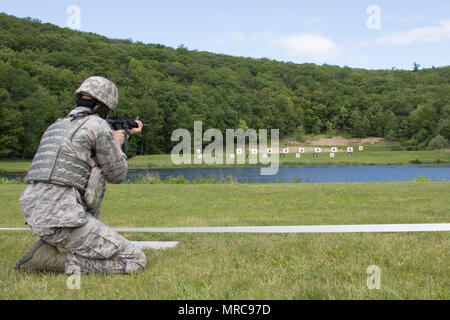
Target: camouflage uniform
<point>68,217</point>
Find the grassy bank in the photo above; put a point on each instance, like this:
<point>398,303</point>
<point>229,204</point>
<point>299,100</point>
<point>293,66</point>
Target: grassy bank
<point>257,266</point>
<point>372,156</point>
<point>307,159</point>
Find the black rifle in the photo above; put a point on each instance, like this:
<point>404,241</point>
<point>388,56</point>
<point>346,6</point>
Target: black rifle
<point>118,123</point>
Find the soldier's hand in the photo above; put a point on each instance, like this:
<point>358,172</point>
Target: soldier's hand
<point>119,137</point>
<point>137,130</point>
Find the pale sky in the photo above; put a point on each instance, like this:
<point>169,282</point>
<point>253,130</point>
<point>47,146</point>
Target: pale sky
<point>357,33</point>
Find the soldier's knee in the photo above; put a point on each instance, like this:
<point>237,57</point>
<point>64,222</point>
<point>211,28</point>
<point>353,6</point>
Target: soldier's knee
<point>138,263</point>
<point>142,259</point>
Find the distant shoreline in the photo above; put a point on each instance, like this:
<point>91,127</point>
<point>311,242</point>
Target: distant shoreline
<point>164,161</point>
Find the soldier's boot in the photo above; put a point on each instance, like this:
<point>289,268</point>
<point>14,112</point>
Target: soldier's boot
<point>42,257</point>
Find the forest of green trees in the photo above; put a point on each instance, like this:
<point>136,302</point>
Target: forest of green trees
<point>41,65</point>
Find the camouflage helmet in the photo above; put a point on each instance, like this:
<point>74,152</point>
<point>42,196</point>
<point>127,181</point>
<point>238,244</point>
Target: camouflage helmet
<point>101,89</point>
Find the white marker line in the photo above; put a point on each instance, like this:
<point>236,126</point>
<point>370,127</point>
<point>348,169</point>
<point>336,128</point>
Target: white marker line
<point>155,244</point>
<point>291,229</point>
<point>302,229</point>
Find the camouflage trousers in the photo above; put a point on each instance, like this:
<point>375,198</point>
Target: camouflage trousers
<point>96,248</point>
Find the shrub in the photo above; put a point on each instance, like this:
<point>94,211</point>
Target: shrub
<point>396,147</point>
<point>422,179</point>
<point>438,142</point>
<point>156,179</point>
<point>7,181</point>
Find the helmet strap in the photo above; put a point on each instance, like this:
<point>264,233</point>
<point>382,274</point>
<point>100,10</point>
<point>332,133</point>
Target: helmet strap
<point>96,106</point>
<point>102,110</point>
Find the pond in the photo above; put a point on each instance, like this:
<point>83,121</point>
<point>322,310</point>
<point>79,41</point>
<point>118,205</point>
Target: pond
<point>312,174</point>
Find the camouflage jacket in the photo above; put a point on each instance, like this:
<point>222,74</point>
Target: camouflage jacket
<point>46,205</point>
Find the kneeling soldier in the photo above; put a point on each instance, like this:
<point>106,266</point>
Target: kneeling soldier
<point>77,155</point>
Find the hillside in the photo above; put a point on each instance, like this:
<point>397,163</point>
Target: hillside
<point>41,65</point>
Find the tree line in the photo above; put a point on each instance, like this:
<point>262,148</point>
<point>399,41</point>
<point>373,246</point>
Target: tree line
<point>41,65</point>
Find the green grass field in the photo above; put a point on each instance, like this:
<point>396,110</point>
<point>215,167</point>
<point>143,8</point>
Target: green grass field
<point>256,266</point>
<point>374,155</point>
